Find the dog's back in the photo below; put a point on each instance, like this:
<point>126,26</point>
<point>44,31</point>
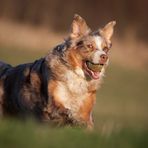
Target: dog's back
<point>23,87</point>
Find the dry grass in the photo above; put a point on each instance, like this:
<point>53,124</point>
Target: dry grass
<point>26,36</point>
<point>129,52</point>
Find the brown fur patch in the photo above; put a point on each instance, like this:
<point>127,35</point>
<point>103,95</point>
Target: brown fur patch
<point>86,109</point>
<point>29,92</point>
<point>26,72</point>
<point>52,90</point>
<point>35,81</point>
<point>74,58</point>
<point>106,44</point>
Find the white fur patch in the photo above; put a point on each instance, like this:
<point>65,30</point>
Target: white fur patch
<point>79,71</point>
<point>72,92</point>
<point>98,42</point>
<point>96,56</point>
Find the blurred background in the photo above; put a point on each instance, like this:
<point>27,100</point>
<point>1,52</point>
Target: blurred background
<point>30,28</point>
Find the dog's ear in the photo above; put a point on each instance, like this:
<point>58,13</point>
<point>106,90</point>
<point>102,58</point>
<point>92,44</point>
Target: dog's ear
<point>79,27</point>
<point>107,30</point>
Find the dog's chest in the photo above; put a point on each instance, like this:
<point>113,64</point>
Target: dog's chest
<point>73,91</point>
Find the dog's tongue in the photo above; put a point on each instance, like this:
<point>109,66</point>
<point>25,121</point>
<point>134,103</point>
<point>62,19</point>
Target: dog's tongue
<point>95,75</point>
<point>92,73</point>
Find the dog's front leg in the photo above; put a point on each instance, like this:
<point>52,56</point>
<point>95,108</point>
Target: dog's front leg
<point>90,123</point>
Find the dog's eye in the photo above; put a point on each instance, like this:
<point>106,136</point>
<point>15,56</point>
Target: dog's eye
<point>90,46</point>
<point>106,50</point>
<point>80,43</point>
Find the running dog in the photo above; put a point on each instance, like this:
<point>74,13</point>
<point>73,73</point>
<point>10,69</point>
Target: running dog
<point>61,87</point>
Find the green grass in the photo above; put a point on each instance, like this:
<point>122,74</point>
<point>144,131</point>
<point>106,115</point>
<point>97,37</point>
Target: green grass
<point>14,134</point>
<point>120,114</point>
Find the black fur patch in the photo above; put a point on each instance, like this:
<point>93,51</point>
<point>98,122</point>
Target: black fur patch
<point>14,82</point>
<point>80,43</point>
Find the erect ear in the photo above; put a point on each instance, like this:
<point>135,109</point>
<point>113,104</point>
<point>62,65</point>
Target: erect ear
<point>108,30</point>
<point>79,27</point>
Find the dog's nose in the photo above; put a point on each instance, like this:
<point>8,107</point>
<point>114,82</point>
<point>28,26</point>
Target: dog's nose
<point>103,58</point>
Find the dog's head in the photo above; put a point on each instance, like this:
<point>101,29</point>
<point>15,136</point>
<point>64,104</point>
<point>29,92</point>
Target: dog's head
<point>89,50</point>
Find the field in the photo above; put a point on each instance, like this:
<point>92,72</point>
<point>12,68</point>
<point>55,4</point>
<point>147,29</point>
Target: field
<point>16,135</point>
<point>120,114</point>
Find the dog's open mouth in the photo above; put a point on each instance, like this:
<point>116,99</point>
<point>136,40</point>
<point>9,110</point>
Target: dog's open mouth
<point>92,69</point>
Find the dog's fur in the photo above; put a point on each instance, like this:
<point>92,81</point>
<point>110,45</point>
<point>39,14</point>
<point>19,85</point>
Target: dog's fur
<point>61,87</point>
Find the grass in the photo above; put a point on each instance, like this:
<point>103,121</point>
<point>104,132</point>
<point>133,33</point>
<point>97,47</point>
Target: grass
<point>120,113</point>
<point>14,134</point>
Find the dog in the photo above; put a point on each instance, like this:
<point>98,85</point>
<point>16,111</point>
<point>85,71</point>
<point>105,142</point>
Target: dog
<point>61,87</point>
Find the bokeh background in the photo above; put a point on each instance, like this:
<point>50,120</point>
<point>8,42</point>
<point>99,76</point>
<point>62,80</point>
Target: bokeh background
<point>30,28</point>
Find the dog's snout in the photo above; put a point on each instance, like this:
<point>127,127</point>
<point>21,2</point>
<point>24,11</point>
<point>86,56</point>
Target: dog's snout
<point>103,58</point>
